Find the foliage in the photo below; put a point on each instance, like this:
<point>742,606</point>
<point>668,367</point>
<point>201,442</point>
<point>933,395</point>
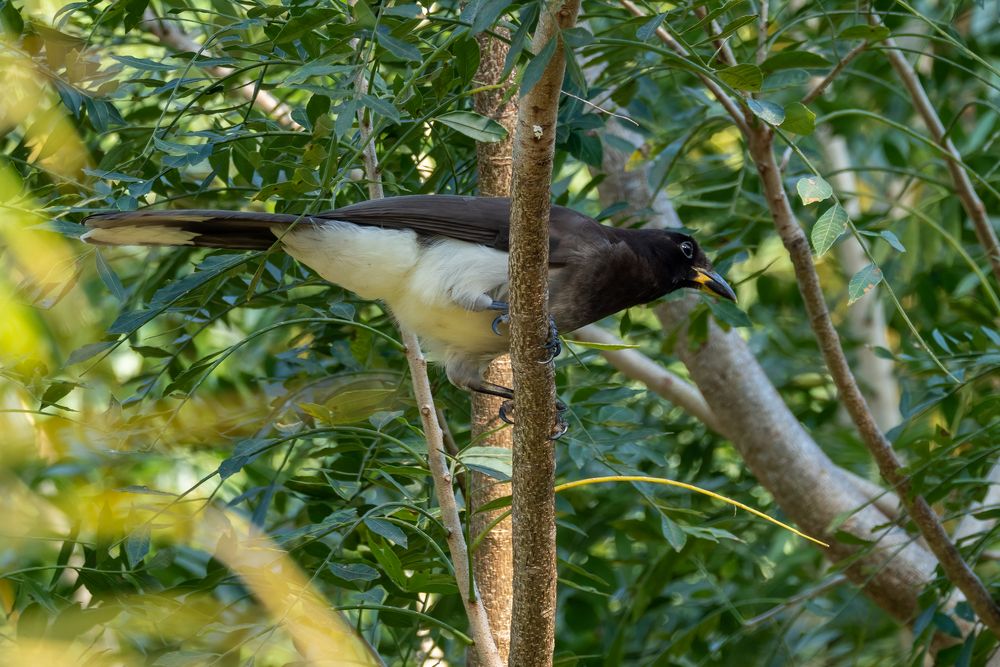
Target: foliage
<point>143,385</point>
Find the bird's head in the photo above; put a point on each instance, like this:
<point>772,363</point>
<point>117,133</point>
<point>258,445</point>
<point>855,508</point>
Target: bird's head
<point>694,270</point>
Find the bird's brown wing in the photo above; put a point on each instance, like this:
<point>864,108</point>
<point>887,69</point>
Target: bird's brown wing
<point>482,220</point>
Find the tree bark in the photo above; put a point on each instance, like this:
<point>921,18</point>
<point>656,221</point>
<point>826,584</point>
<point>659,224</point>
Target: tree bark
<point>493,562</point>
<point>533,511</point>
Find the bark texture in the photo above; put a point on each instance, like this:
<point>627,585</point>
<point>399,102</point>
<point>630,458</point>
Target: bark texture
<point>533,511</point>
<point>493,562</point>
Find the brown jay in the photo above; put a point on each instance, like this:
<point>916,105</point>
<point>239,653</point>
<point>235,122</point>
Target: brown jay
<point>439,262</point>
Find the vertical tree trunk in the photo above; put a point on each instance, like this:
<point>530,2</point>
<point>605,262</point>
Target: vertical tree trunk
<point>493,562</point>
<point>533,512</point>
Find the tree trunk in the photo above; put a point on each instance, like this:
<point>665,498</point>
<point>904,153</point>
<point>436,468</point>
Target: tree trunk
<point>493,562</point>
<point>533,511</point>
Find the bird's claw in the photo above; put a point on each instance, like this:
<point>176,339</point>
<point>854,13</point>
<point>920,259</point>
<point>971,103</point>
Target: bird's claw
<point>506,407</point>
<point>562,426</point>
<point>552,345</point>
<point>502,318</point>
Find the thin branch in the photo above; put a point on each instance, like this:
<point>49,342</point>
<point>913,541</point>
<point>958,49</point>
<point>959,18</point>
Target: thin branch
<point>493,562</point>
<point>173,36</point>
<point>971,202</point>
<point>955,568</point>
<point>479,624</point>
<point>821,87</point>
<point>637,366</point>
<point>762,30</point>
<point>740,119</point>
<point>721,45</point>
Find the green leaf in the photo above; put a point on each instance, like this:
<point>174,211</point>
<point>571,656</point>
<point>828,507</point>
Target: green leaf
<point>144,64</point>
<point>109,277</point>
<point>56,391</point>
<point>714,14</point>
<point>10,19</point>
<point>769,112</point>
<point>799,119</point>
<point>742,77</point>
<point>892,240</point>
<point>492,461</point>
<point>794,60</point>
<point>487,13</point>
<point>137,545</point>
<point>534,70</point>
<point>867,32</point>
<point>363,14</point>
<point>863,282</point>
<point>388,530</point>
<point>648,29</point>
<point>397,47</point>
<point>733,26</point>
<point>830,226</point>
<point>813,189</point>
<point>474,126</point>
<point>674,534</point>
<point>354,571</point>
<point>88,351</point>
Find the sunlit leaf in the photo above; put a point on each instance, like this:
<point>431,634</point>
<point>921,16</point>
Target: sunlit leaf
<point>863,282</point>
<point>830,226</point>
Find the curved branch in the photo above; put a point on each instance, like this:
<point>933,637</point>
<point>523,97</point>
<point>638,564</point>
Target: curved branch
<point>760,143</point>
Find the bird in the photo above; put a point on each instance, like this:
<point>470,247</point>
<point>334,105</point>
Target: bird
<point>439,263</point>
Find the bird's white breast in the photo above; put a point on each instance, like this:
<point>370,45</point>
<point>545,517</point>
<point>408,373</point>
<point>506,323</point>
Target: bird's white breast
<point>429,287</point>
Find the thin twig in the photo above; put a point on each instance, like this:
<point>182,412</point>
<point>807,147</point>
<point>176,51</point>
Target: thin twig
<point>173,36</point>
<point>722,47</point>
<point>762,30</point>
<point>821,87</point>
<point>740,119</point>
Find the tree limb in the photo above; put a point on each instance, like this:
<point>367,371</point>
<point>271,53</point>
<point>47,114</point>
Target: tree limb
<point>533,509</point>
<point>760,143</point>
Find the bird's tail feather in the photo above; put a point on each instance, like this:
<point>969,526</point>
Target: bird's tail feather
<point>245,230</point>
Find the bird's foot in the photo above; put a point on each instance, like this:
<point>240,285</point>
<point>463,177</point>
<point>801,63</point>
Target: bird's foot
<point>552,344</point>
<point>562,426</point>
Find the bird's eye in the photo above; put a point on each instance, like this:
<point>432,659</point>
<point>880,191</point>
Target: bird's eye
<point>687,249</point>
